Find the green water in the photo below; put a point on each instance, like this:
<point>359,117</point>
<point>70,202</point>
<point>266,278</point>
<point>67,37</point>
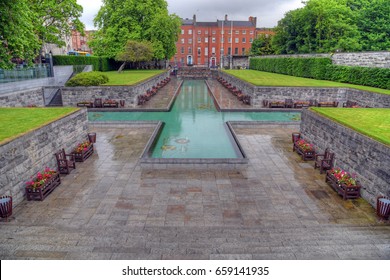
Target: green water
<point>194,128</point>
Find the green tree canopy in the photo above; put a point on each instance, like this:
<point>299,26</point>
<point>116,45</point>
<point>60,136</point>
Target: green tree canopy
<point>135,52</point>
<point>16,32</point>
<point>119,21</point>
<point>320,26</point>
<point>262,45</point>
<point>25,25</point>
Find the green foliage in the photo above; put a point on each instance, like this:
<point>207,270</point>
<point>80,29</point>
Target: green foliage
<point>262,45</point>
<point>87,79</point>
<point>136,52</point>
<point>17,38</point>
<point>102,64</point>
<point>139,20</point>
<point>322,69</point>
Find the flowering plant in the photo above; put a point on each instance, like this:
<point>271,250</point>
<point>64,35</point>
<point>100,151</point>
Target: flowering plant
<point>304,146</point>
<point>344,177</point>
<point>82,146</point>
<point>41,178</point>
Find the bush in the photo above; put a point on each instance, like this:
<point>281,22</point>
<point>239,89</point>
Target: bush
<point>98,63</point>
<point>322,69</point>
<point>87,79</point>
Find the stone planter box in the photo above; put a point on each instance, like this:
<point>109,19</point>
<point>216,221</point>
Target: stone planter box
<point>42,192</point>
<point>345,191</point>
<point>84,154</point>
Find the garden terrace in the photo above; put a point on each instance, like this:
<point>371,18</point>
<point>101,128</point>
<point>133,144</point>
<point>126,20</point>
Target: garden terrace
<point>130,77</point>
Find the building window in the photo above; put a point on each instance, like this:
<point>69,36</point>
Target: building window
<point>199,50</point>
<point>230,39</point>
<point>213,32</point>
<point>206,51</point>
<point>237,32</point>
<point>222,51</point>
<point>213,50</point>
<point>182,31</point>
<point>182,60</point>
<point>229,51</point>
<point>190,41</point>
<point>199,40</point>
<point>222,40</point>
<point>213,40</point>
<point>222,32</point>
<point>199,32</point>
<point>190,31</point>
<point>229,32</point>
<point>251,32</point>
<point>236,40</point>
<point>243,51</point>
<point>235,50</point>
<point>182,40</point>
<point>244,32</point>
<point>244,40</point>
<point>182,50</point>
<point>251,40</point>
<point>206,39</point>
<point>189,50</point>
<point>206,32</point>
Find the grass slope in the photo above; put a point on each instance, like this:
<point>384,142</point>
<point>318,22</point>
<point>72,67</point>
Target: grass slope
<point>18,121</point>
<point>260,78</point>
<point>372,122</point>
<point>130,77</point>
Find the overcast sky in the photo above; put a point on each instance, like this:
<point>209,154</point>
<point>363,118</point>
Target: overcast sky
<point>268,12</point>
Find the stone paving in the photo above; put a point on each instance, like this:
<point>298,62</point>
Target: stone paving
<point>275,207</point>
<point>226,100</point>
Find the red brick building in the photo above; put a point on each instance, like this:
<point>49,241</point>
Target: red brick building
<point>210,44</point>
<point>80,42</point>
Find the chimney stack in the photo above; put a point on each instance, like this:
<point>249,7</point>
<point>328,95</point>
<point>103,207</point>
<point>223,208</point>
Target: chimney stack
<point>226,17</point>
<point>194,18</point>
<point>253,20</point>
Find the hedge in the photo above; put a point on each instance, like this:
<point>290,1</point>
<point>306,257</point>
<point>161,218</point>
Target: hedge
<point>323,69</point>
<point>102,64</point>
<point>87,79</point>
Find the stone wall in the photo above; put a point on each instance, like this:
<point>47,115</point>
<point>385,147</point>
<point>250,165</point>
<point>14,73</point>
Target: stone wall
<point>31,153</point>
<point>355,153</point>
<point>23,98</point>
<point>341,95</point>
<point>363,59</point>
<point>72,95</point>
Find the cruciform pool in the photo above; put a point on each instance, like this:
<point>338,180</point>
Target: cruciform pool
<point>194,128</point>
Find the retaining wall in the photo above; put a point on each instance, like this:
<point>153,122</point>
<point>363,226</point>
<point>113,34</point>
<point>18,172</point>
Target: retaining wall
<point>23,98</point>
<point>31,153</point>
<point>355,153</point>
<point>72,95</point>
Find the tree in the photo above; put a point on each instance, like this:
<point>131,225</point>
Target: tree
<point>17,38</point>
<point>262,45</point>
<point>321,26</point>
<point>55,19</point>
<point>135,52</point>
<point>119,21</point>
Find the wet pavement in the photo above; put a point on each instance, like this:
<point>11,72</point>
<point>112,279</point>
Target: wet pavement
<point>275,207</point>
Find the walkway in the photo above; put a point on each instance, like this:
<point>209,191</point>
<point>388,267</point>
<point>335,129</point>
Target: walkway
<point>278,207</point>
<point>225,98</point>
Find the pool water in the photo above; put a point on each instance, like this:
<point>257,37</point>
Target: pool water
<point>194,128</point>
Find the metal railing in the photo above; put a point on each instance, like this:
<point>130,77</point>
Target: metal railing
<point>25,73</point>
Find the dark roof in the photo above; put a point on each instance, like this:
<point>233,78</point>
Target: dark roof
<point>187,21</point>
<point>206,23</point>
<point>236,23</point>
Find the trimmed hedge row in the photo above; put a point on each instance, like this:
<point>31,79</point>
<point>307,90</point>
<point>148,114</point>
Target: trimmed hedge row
<point>87,79</point>
<point>323,69</point>
<point>102,64</point>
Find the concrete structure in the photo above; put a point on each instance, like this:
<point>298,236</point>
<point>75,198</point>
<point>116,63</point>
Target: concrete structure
<point>31,153</point>
<point>206,43</point>
<point>355,153</point>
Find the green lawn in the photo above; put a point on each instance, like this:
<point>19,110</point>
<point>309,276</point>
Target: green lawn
<point>373,122</point>
<point>130,77</point>
<point>260,78</point>
<point>17,121</point>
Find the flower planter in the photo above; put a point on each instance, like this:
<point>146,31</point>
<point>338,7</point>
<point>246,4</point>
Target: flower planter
<point>5,207</point>
<point>92,137</point>
<point>383,207</point>
<point>41,192</point>
<point>83,154</point>
<point>347,192</point>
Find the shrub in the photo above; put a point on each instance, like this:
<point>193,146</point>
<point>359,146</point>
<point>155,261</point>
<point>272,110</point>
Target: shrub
<point>322,69</point>
<point>87,79</point>
<point>98,63</point>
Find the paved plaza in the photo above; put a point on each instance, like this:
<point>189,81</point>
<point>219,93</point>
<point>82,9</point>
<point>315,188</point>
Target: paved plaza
<point>274,207</point>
